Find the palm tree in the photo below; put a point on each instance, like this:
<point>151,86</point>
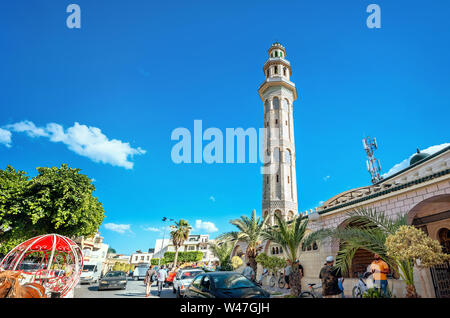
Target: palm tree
<point>250,232</point>
<point>368,230</point>
<point>223,251</point>
<point>179,234</point>
<point>289,236</point>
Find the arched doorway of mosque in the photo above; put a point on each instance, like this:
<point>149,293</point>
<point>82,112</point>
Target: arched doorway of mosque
<point>432,215</point>
<point>362,258</point>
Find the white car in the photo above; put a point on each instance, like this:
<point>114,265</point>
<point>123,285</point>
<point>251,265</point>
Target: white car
<point>183,279</point>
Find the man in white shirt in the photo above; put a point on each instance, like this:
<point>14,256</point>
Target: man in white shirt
<point>162,275</point>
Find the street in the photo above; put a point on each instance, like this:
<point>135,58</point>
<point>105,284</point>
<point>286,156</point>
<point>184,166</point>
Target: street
<point>135,289</point>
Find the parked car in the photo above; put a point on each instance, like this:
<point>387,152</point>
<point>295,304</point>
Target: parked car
<point>113,280</point>
<point>183,279</point>
<point>224,285</point>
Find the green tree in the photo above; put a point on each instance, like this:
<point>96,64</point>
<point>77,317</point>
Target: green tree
<point>250,232</point>
<point>179,234</point>
<point>223,250</point>
<point>289,236</point>
<point>111,250</point>
<point>272,263</point>
<point>57,200</point>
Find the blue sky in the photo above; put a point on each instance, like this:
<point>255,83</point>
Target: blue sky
<point>136,70</point>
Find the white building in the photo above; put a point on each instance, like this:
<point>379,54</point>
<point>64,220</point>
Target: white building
<point>94,250</point>
<point>193,243</point>
<point>140,258</point>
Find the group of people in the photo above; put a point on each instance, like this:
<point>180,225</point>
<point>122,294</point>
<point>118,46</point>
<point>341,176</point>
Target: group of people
<point>333,282</point>
<point>250,273</point>
<point>160,275</point>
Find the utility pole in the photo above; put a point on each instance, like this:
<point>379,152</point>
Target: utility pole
<point>164,219</point>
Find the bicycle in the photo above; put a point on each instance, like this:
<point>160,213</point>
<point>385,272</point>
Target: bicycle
<point>313,292</point>
<point>281,281</point>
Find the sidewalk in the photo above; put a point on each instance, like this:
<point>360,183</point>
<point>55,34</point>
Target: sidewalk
<point>277,292</point>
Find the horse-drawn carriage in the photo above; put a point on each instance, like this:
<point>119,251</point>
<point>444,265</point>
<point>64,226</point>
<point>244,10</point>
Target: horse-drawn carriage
<point>49,263</point>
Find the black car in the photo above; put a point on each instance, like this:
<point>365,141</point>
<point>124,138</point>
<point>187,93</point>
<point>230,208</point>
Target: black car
<point>224,285</point>
<point>113,280</point>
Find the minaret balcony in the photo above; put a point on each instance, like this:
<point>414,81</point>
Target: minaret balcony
<point>277,81</point>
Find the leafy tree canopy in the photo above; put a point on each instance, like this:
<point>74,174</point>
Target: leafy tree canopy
<point>57,200</point>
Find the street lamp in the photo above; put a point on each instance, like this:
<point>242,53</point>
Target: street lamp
<point>164,219</point>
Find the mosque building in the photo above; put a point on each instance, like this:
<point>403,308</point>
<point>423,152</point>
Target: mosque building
<point>422,190</point>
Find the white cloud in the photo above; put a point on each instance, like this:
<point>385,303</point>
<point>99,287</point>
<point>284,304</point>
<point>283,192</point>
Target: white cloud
<point>213,199</point>
<point>206,226</point>
<point>321,202</point>
<point>84,140</point>
<point>29,128</point>
<point>326,178</point>
<point>119,228</point>
<point>5,137</point>
<point>152,229</point>
<point>405,163</point>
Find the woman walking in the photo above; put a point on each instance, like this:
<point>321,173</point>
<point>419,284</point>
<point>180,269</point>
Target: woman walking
<point>149,280</point>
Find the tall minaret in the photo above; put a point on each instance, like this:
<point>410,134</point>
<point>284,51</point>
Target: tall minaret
<point>278,94</point>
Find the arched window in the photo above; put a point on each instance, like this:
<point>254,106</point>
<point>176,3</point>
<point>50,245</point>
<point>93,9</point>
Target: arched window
<point>267,72</point>
<point>276,103</point>
<point>266,105</point>
<point>284,71</point>
<point>287,156</point>
<point>285,105</point>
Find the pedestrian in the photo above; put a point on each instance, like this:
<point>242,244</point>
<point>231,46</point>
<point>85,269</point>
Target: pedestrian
<point>263,274</point>
<point>249,272</point>
<point>287,273</point>
<point>162,275</point>
<point>149,275</point>
<point>329,277</point>
<point>379,269</point>
<point>341,286</point>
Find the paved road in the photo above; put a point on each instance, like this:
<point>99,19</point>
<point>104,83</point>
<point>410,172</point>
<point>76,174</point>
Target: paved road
<point>135,289</point>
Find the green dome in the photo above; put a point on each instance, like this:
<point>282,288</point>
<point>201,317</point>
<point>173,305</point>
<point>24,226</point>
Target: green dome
<point>417,157</point>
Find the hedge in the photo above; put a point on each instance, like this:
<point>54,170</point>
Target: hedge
<point>183,257</point>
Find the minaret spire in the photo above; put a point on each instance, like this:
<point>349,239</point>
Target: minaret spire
<point>278,94</point>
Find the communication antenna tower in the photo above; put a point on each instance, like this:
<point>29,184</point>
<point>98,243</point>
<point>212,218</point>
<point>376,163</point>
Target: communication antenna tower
<point>373,164</point>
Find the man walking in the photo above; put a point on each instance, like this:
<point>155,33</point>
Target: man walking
<point>287,273</point>
<point>162,275</point>
<point>249,272</point>
<point>330,279</point>
<point>379,269</point>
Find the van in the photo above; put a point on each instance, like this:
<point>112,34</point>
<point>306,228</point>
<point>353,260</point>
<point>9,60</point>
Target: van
<point>90,273</point>
<point>140,271</point>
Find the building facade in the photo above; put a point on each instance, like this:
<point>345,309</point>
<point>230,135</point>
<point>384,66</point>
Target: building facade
<point>94,250</point>
<point>193,243</point>
<point>140,258</point>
